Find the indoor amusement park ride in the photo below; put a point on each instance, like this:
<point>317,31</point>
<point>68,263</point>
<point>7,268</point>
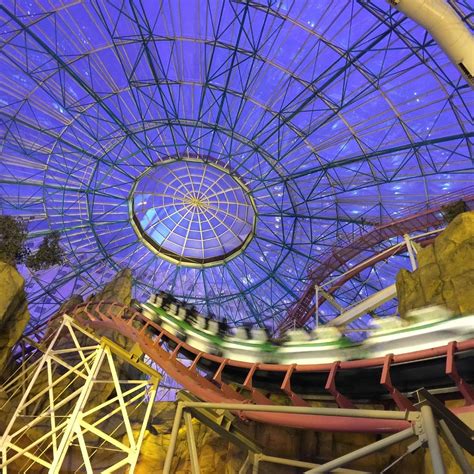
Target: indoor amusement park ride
<point>69,388</point>
<point>238,368</point>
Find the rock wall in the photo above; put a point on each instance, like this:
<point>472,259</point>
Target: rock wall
<point>445,273</point>
<point>14,314</point>
<point>119,289</point>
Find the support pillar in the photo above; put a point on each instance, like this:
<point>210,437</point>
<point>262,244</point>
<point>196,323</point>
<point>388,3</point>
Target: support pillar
<point>76,407</point>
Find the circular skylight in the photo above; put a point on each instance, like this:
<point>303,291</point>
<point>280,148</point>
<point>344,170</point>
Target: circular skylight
<point>193,212</point>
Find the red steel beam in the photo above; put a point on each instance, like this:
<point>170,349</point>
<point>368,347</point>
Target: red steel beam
<point>302,310</point>
<point>102,316</point>
<point>308,297</point>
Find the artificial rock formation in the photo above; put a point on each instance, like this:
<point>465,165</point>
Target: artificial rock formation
<point>66,308</point>
<point>118,290</point>
<point>216,454</point>
<point>14,314</point>
<point>445,273</point>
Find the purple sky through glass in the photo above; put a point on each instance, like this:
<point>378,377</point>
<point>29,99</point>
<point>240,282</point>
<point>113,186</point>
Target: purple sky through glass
<point>335,114</point>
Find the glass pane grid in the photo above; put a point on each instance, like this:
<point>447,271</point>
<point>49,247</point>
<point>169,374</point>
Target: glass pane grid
<point>193,212</point>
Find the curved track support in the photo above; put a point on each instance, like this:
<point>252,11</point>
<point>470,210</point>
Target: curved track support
<point>167,351</point>
<point>400,400</point>
<point>257,396</point>
<point>296,400</point>
<point>464,388</point>
<point>341,400</point>
<point>417,218</point>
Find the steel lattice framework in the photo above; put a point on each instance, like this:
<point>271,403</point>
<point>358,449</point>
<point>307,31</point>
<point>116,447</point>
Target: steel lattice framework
<point>336,115</point>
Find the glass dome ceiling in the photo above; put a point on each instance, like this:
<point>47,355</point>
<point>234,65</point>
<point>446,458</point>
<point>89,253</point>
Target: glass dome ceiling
<point>335,115</point>
<point>192,212</point>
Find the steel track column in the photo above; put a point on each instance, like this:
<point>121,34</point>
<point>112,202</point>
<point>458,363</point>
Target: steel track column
<point>191,443</point>
<point>173,438</point>
<point>431,433</point>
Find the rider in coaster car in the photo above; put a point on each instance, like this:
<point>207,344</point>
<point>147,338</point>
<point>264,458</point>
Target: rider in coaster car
<point>223,327</point>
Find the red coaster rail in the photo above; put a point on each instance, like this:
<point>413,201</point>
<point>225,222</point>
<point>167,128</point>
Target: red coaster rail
<point>414,219</point>
<point>164,349</point>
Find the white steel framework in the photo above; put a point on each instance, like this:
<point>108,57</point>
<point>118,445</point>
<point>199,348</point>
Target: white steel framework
<point>72,405</point>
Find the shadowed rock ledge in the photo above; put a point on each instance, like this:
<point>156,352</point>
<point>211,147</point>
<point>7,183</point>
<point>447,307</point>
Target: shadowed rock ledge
<point>14,314</point>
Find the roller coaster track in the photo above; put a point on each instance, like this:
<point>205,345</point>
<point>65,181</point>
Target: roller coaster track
<point>169,352</point>
<point>414,219</point>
